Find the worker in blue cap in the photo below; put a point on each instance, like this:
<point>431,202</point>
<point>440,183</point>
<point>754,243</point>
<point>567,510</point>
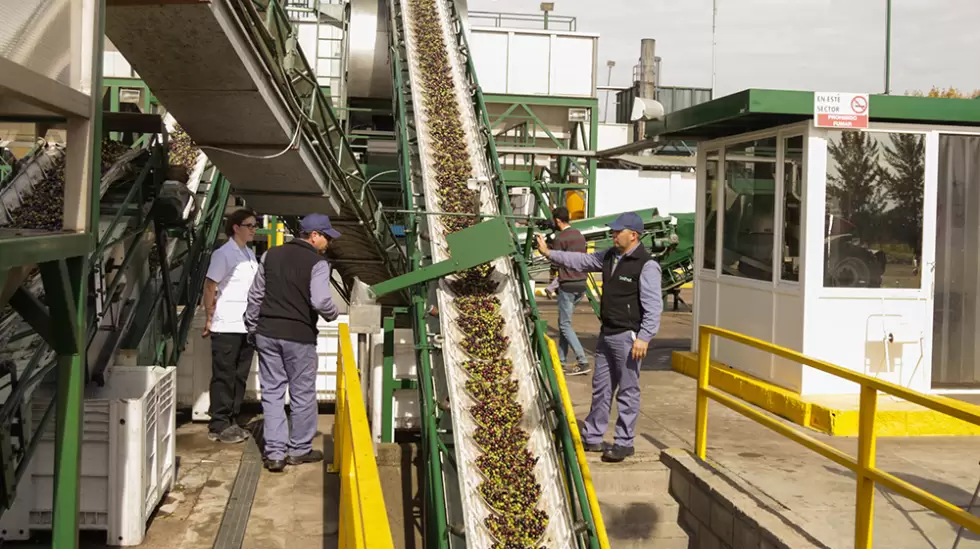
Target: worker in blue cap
<point>290,290</point>
<point>630,313</point>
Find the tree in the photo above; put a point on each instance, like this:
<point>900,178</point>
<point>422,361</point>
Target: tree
<point>857,184</point>
<point>906,187</point>
<point>950,93</point>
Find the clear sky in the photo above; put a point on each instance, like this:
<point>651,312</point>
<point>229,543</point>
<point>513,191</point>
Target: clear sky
<point>824,45</point>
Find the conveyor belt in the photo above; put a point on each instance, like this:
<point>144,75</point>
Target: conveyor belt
<point>537,422</point>
<point>242,90</point>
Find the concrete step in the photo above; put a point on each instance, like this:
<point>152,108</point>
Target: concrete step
<point>628,519</point>
<point>636,507</point>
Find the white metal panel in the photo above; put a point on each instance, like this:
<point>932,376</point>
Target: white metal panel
<point>612,135</point>
<point>629,190</point>
<point>747,310</point>
<point>572,66</point>
<point>528,69</point>
<point>490,51</point>
<point>853,333</point>
<point>683,193</point>
<point>308,43</point>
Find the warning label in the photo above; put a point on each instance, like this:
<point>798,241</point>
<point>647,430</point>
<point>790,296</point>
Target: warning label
<point>841,110</point>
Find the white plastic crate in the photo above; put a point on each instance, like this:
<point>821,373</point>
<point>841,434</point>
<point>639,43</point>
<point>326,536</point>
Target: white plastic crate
<point>128,458</point>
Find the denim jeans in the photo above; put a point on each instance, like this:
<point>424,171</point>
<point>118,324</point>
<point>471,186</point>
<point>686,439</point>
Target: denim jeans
<point>567,336</point>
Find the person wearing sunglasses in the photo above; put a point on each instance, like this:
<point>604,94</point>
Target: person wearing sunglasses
<point>229,277</point>
<point>291,290</point>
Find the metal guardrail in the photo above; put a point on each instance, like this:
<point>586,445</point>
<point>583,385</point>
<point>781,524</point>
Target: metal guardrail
<point>864,465</point>
<point>525,20</point>
<point>363,518</point>
<point>566,399</point>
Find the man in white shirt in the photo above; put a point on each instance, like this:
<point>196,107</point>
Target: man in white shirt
<point>229,277</point>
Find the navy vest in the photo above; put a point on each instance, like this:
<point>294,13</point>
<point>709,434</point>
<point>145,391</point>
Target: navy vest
<point>286,312</point>
<point>620,304</point>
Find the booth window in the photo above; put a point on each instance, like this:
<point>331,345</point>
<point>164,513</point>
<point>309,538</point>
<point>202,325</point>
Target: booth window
<point>749,219</point>
<point>710,209</point>
<point>792,207</point>
<point>873,218</point>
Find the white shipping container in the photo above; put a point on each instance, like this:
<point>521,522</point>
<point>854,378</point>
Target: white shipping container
<point>128,458</point>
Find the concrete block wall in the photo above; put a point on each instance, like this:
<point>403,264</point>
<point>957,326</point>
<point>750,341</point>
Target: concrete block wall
<point>718,515</point>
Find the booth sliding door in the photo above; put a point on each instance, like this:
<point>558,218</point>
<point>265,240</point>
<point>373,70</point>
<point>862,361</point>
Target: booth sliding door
<point>956,310</point>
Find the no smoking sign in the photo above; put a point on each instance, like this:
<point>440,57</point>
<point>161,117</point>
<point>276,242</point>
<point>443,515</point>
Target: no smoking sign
<point>841,110</point>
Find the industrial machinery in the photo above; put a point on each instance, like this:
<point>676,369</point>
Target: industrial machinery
<point>232,74</point>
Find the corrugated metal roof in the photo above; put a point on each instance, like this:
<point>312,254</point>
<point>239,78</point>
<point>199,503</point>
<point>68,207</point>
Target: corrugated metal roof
<point>658,161</point>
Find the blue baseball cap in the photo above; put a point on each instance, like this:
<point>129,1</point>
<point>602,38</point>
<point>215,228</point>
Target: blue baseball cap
<point>627,220</point>
<point>320,223</point>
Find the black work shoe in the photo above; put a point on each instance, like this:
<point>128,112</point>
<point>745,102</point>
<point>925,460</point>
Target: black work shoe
<point>577,370</point>
<point>312,456</point>
<point>244,432</point>
<point>594,448</point>
<point>275,465</point>
<point>231,435</point>
<point>617,453</point>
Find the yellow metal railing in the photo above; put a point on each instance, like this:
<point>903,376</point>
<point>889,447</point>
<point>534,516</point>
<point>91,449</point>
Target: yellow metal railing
<point>363,519</point>
<point>864,465</point>
<point>600,526</point>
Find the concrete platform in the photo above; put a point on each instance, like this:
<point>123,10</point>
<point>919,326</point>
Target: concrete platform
<point>799,485</point>
<point>830,414</point>
<point>297,508</point>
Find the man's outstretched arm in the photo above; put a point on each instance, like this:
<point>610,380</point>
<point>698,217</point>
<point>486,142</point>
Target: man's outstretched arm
<point>320,298</point>
<point>576,261</point>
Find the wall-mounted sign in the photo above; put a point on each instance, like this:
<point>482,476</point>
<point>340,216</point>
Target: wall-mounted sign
<point>841,110</point>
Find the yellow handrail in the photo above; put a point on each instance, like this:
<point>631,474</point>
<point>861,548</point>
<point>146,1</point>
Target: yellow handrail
<point>600,526</point>
<point>363,519</point>
<point>864,465</point>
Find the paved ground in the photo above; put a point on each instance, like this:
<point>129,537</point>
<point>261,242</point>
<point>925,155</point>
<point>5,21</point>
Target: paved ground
<point>297,509</point>
<point>803,486</point>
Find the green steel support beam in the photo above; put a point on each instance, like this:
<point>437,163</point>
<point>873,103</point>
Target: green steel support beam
<point>71,310</point>
<point>593,162</point>
<point>27,250</point>
<point>35,313</point>
<point>468,248</point>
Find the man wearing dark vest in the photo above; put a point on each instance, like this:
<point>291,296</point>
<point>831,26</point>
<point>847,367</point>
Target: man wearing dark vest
<point>630,312</point>
<point>290,290</point>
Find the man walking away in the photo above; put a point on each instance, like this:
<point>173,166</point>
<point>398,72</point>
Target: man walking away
<point>229,277</point>
<point>290,290</point>
<point>571,289</point>
<point>630,313</point>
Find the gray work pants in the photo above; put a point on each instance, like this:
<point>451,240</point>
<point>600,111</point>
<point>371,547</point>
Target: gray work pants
<point>614,368</point>
<point>283,362</point>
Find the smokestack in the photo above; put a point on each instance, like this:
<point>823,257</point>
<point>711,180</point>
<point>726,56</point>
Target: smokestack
<point>648,67</point>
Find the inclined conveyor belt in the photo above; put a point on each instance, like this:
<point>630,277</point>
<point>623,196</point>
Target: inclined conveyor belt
<point>559,533</point>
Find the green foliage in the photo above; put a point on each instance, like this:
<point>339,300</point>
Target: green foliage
<point>905,183</point>
<point>856,185</point>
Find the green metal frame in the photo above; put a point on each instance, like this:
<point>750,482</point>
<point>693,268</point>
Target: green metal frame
<point>519,122</point>
<point>756,109</point>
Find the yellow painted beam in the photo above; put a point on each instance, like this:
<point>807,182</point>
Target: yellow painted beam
<point>600,526</point>
<point>832,414</point>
